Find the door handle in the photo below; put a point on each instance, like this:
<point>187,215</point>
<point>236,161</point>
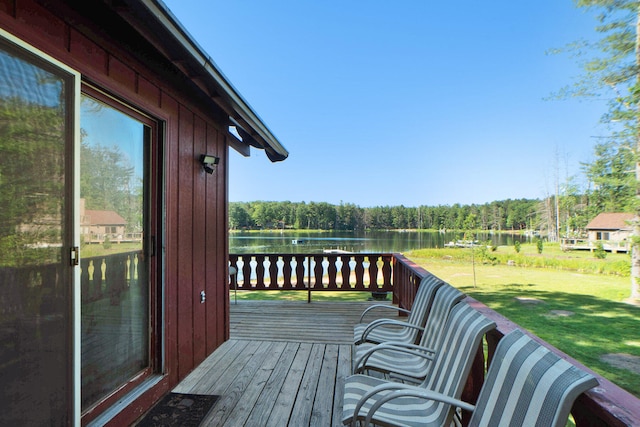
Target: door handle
<point>75,256</point>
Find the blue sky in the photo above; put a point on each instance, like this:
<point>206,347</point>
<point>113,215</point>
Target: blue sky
<point>408,102</point>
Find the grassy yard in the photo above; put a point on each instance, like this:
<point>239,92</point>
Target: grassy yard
<point>599,323</point>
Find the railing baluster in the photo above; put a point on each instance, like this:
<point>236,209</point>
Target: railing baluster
<point>359,285</point>
<point>318,271</point>
<point>346,271</point>
<point>246,272</point>
<point>273,271</point>
<point>386,272</point>
<point>300,271</point>
<point>286,271</point>
<point>373,273</point>
<point>332,271</point>
<point>260,270</point>
<point>233,262</point>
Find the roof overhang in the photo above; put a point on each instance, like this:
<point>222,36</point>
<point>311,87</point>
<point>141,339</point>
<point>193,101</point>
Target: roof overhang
<point>174,41</point>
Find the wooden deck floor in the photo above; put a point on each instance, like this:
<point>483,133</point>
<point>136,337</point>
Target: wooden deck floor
<point>283,366</point>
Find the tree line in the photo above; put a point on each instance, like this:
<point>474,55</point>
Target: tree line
<point>500,215</point>
<point>505,215</point>
<point>605,186</point>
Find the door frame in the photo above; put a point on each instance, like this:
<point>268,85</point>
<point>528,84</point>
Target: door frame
<point>152,249</point>
<point>71,240</point>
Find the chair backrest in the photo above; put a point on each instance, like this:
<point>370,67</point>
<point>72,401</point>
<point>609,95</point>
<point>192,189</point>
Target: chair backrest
<point>527,384</point>
<point>445,299</point>
<point>423,300</point>
<point>457,349</point>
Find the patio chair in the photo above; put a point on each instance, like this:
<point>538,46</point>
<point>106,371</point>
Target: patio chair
<point>382,330</point>
<point>450,369</point>
<point>526,385</point>
<point>409,361</point>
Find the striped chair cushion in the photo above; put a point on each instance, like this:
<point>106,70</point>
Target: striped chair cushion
<point>528,385</point>
<point>418,316</point>
<point>460,343</point>
<point>409,365</point>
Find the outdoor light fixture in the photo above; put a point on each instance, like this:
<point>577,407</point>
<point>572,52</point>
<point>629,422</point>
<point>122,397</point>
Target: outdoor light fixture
<point>209,163</point>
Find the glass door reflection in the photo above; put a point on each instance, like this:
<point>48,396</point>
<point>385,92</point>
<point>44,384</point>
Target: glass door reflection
<point>114,281</point>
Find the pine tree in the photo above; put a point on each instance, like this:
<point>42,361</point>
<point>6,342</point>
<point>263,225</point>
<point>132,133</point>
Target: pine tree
<point>614,73</point>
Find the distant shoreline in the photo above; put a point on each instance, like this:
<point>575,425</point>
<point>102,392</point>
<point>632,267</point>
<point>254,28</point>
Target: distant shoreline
<point>397,230</point>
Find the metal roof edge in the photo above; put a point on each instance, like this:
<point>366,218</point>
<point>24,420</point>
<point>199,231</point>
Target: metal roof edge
<point>240,106</point>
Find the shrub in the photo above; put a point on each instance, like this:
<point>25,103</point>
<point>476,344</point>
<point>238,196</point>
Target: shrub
<point>516,246</point>
<point>599,251</point>
<point>485,255</point>
<point>539,245</point>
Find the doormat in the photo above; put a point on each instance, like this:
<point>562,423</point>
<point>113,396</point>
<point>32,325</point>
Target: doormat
<point>177,409</point>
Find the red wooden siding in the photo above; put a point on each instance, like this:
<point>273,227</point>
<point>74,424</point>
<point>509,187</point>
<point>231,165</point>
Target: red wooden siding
<point>199,243</point>
<point>184,179</point>
<point>171,238</point>
<point>195,202</point>
<point>214,246</point>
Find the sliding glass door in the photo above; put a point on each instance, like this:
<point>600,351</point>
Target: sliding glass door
<point>78,304</point>
<point>115,241</point>
<point>37,141</point>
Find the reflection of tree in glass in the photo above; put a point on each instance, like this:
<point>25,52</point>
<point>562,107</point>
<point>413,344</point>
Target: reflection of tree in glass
<point>30,84</point>
<point>32,143</point>
<point>107,183</point>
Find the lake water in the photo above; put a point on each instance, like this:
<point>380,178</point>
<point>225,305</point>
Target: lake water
<point>372,241</point>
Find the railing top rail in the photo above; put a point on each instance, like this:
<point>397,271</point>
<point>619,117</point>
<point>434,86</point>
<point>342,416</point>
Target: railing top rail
<point>420,272</point>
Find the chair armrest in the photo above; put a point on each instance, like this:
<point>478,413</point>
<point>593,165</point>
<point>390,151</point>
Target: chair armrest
<point>383,306</point>
<point>370,395</point>
<point>418,393</point>
<point>386,322</point>
<point>399,347</point>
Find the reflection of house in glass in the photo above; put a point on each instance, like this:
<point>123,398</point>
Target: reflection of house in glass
<point>100,226</point>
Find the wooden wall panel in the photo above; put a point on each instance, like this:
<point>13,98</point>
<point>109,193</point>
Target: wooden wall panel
<point>222,225</point>
<point>171,107</point>
<point>210,266</point>
<point>184,252</point>
<point>87,52</point>
<point>214,266</point>
<point>51,28</point>
<point>200,202</point>
<point>148,91</point>
<point>122,74</point>
<point>8,7</point>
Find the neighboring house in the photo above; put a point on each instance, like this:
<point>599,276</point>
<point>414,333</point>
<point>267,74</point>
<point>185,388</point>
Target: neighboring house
<point>97,225</point>
<point>133,60</point>
<point>103,222</point>
<point>612,230</point>
<point>610,227</point>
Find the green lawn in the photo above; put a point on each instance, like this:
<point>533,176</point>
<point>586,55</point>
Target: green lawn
<point>601,323</point>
